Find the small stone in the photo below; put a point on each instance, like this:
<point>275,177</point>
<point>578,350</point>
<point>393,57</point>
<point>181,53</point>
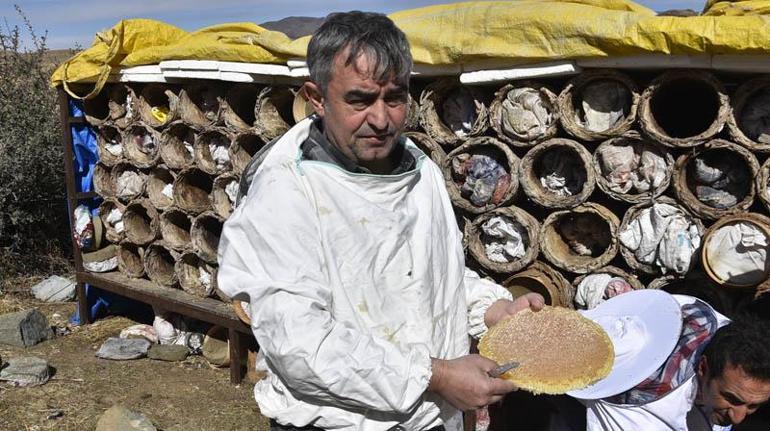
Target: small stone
<point>26,371</point>
<point>119,418</point>
<point>24,328</point>
<point>120,349</point>
<point>54,289</point>
<point>168,352</point>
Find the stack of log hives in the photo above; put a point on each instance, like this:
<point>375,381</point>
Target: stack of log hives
<point>579,188</point>
<point>170,160</point>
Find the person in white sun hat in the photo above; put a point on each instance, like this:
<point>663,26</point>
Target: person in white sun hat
<point>679,365</point>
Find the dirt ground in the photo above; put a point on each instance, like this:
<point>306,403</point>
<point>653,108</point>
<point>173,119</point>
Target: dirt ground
<point>188,395</point>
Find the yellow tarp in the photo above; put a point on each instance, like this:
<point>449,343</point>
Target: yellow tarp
<point>515,32</point>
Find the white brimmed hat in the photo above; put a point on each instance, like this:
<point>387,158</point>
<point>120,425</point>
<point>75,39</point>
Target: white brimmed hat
<point>644,326</point>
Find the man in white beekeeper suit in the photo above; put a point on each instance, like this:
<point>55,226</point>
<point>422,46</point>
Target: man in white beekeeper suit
<point>679,365</point>
<point>348,251</point>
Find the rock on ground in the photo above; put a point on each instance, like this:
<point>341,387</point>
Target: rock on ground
<point>54,289</point>
<point>24,328</point>
<point>119,418</point>
<point>121,349</point>
<point>168,352</point>
<point>26,371</point>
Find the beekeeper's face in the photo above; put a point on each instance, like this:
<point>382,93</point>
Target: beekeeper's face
<point>729,398</point>
<point>362,116</point>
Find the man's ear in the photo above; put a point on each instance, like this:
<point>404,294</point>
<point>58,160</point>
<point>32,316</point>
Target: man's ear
<point>703,367</point>
<point>315,97</point>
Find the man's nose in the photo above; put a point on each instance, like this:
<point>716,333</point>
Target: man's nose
<point>738,414</point>
<point>378,116</point>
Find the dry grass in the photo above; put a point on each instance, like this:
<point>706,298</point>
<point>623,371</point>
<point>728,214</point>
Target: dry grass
<point>188,395</point>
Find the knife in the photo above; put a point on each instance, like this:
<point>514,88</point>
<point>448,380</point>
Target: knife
<point>502,369</point>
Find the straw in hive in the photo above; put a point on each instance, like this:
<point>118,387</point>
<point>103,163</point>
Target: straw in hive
<point>558,350</point>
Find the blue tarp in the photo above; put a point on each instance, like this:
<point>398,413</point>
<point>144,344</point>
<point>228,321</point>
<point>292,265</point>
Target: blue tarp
<point>100,302</point>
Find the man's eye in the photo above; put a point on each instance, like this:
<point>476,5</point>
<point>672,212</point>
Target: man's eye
<point>397,99</point>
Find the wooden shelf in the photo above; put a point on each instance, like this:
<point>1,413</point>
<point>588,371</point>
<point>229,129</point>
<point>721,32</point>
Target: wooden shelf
<point>174,300</point>
<point>178,301</point>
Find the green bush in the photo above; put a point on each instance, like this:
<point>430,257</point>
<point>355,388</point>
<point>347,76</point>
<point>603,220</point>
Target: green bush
<point>33,209</point>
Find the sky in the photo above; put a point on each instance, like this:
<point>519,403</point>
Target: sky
<point>72,23</point>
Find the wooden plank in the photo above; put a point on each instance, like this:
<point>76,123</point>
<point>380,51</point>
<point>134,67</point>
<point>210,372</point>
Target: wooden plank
<point>238,355</point>
<point>173,300</point>
<point>83,311</point>
<point>69,174</point>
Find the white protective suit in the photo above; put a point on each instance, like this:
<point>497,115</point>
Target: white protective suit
<point>355,281</point>
<point>674,411</point>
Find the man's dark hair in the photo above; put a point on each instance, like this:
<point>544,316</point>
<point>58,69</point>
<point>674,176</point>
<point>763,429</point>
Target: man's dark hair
<point>367,33</point>
<point>743,344</point>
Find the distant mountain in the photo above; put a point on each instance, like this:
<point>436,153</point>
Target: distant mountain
<point>294,26</point>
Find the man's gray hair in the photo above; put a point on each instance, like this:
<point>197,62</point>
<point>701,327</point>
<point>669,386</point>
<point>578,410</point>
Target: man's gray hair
<point>367,33</point>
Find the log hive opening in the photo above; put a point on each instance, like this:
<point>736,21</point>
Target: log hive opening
<point>631,169</point>
<point>103,182</point>
<point>580,240</point>
<point>504,240</point>
<point>159,264</point>
<point>212,151</point>
<point>111,213</point>
<point>131,260</point>
<point>541,278</point>
<point>238,106</point>
<point>141,221</point>
<point>749,120</point>
<point>451,112</point>
<point>683,108</point>
<point>524,114</point>
<point>716,179</point>
<point>604,283</point>
<point>158,104</point>
<point>735,250</point>
<point>177,146</point>
<point>120,102</point>
<point>160,187</point>
<point>175,228</point>
<point>274,112</point>
<point>199,103</point>
<point>660,237</point>
<point>140,144</point>
<point>205,233</point>
<point>96,109</point>
<point>191,190</point>
<point>109,144</point>
<point>224,194</point>
<point>557,173</point>
<point>598,104</point>
<point>196,277</point>
<point>481,175</point>
<point>128,181</point>
<point>243,148</point>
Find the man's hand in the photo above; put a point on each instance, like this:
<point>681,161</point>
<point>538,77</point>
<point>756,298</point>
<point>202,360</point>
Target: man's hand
<point>465,384</point>
<point>503,308</point>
